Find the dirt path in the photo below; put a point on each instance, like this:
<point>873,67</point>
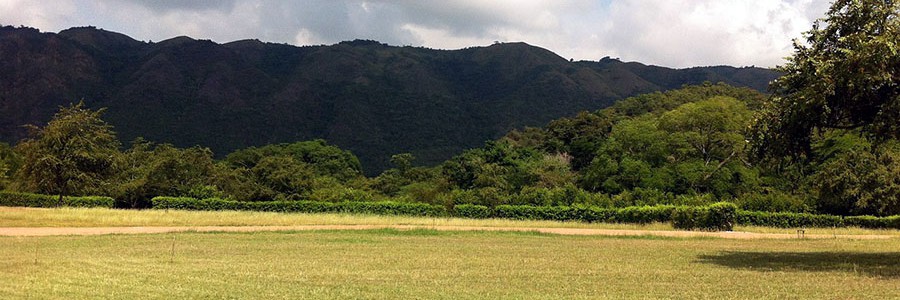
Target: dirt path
<point>50,231</point>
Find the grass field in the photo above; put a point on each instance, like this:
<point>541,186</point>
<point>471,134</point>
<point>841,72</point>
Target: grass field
<point>410,264</point>
<point>394,264</point>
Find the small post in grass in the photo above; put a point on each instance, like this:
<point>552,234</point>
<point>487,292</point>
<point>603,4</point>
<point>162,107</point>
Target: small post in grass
<point>172,256</point>
<point>800,233</point>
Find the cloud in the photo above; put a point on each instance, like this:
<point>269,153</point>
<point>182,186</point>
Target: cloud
<point>677,33</point>
<point>692,32</point>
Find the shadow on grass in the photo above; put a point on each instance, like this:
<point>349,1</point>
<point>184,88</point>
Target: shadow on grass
<point>881,264</point>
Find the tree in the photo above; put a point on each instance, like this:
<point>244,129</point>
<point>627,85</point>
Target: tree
<point>150,170</point>
<point>74,154</point>
<point>9,163</point>
<point>845,77</point>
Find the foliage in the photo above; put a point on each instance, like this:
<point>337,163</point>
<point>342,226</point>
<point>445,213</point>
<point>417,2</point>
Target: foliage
<point>151,170</point>
<point>324,159</point>
<point>861,180</point>
<point>719,216</point>
<point>892,222</point>
<point>633,214</point>
<point>772,201</point>
<point>472,211</point>
<point>39,200</point>
<point>380,208</point>
<point>9,164</point>
<point>74,154</point>
<point>787,219</point>
<point>844,76</point>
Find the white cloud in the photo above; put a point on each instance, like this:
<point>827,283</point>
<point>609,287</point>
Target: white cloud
<point>677,33</point>
<point>710,32</point>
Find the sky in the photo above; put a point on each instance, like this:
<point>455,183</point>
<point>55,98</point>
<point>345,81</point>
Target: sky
<point>671,33</point>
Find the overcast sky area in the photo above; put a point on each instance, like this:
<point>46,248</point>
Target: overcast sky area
<point>673,33</point>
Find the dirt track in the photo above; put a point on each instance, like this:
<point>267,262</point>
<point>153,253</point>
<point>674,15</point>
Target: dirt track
<point>50,231</point>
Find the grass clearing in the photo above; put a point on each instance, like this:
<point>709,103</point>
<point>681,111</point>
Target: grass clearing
<point>104,217</point>
<point>405,264</point>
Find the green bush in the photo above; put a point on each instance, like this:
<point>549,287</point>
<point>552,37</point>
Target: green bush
<point>472,211</point>
<point>892,222</point>
<point>38,200</point>
<point>787,220</point>
<point>773,201</point>
<point>341,194</point>
<point>717,216</point>
<point>528,212</point>
<point>644,214</point>
<point>634,214</point>
<point>642,197</point>
<point>380,208</point>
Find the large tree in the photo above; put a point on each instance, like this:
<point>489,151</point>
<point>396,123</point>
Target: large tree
<point>845,76</point>
<point>74,154</point>
<point>8,164</point>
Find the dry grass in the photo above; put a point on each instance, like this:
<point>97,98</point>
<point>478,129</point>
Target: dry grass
<point>423,264</point>
<point>102,217</point>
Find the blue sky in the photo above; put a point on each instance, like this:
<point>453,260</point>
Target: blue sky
<point>673,33</point>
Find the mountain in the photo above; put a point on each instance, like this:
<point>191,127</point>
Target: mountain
<point>373,99</point>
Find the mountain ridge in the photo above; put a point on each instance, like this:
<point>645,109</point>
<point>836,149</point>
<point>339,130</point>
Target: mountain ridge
<point>371,98</point>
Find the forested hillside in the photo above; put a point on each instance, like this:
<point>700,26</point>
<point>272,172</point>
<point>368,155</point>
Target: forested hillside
<point>690,146</point>
<point>373,99</point>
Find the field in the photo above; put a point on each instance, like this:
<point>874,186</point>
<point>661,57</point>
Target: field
<point>404,264</point>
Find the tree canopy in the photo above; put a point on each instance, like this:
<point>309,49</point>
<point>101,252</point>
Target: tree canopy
<point>844,76</point>
<point>74,154</point>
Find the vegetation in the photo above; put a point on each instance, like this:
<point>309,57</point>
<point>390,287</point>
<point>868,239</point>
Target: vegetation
<point>833,121</point>
<point>73,155</point>
<point>822,147</point>
<point>429,264</point>
<point>37,200</point>
<point>686,147</point>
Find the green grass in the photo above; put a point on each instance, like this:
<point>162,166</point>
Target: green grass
<point>394,264</point>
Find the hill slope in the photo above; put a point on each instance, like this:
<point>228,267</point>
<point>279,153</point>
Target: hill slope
<point>373,99</point>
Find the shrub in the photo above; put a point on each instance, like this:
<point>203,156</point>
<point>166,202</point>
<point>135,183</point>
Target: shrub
<point>892,222</point>
<point>787,220</point>
<point>488,196</point>
<point>694,200</point>
<point>472,211</point>
<point>584,213</point>
<point>644,214</point>
<point>39,200</point>
<point>642,197</point>
<point>716,216</point>
<point>341,194</point>
<point>528,212</point>
<point>381,208</point>
<point>391,208</point>
<point>773,201</point>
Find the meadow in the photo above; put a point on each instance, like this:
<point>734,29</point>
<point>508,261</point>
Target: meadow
<point>381,264</point>
<point>404,264</point>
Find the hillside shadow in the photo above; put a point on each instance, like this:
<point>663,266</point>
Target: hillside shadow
<point>882,264</point>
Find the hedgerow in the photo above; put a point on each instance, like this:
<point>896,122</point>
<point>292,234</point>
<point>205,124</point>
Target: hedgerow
<point>634,214</point>
<point>471,211</point>
<point>38,200</point>
<point>787,219</point>
<point>381,208</point>
<point>716,216</point>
